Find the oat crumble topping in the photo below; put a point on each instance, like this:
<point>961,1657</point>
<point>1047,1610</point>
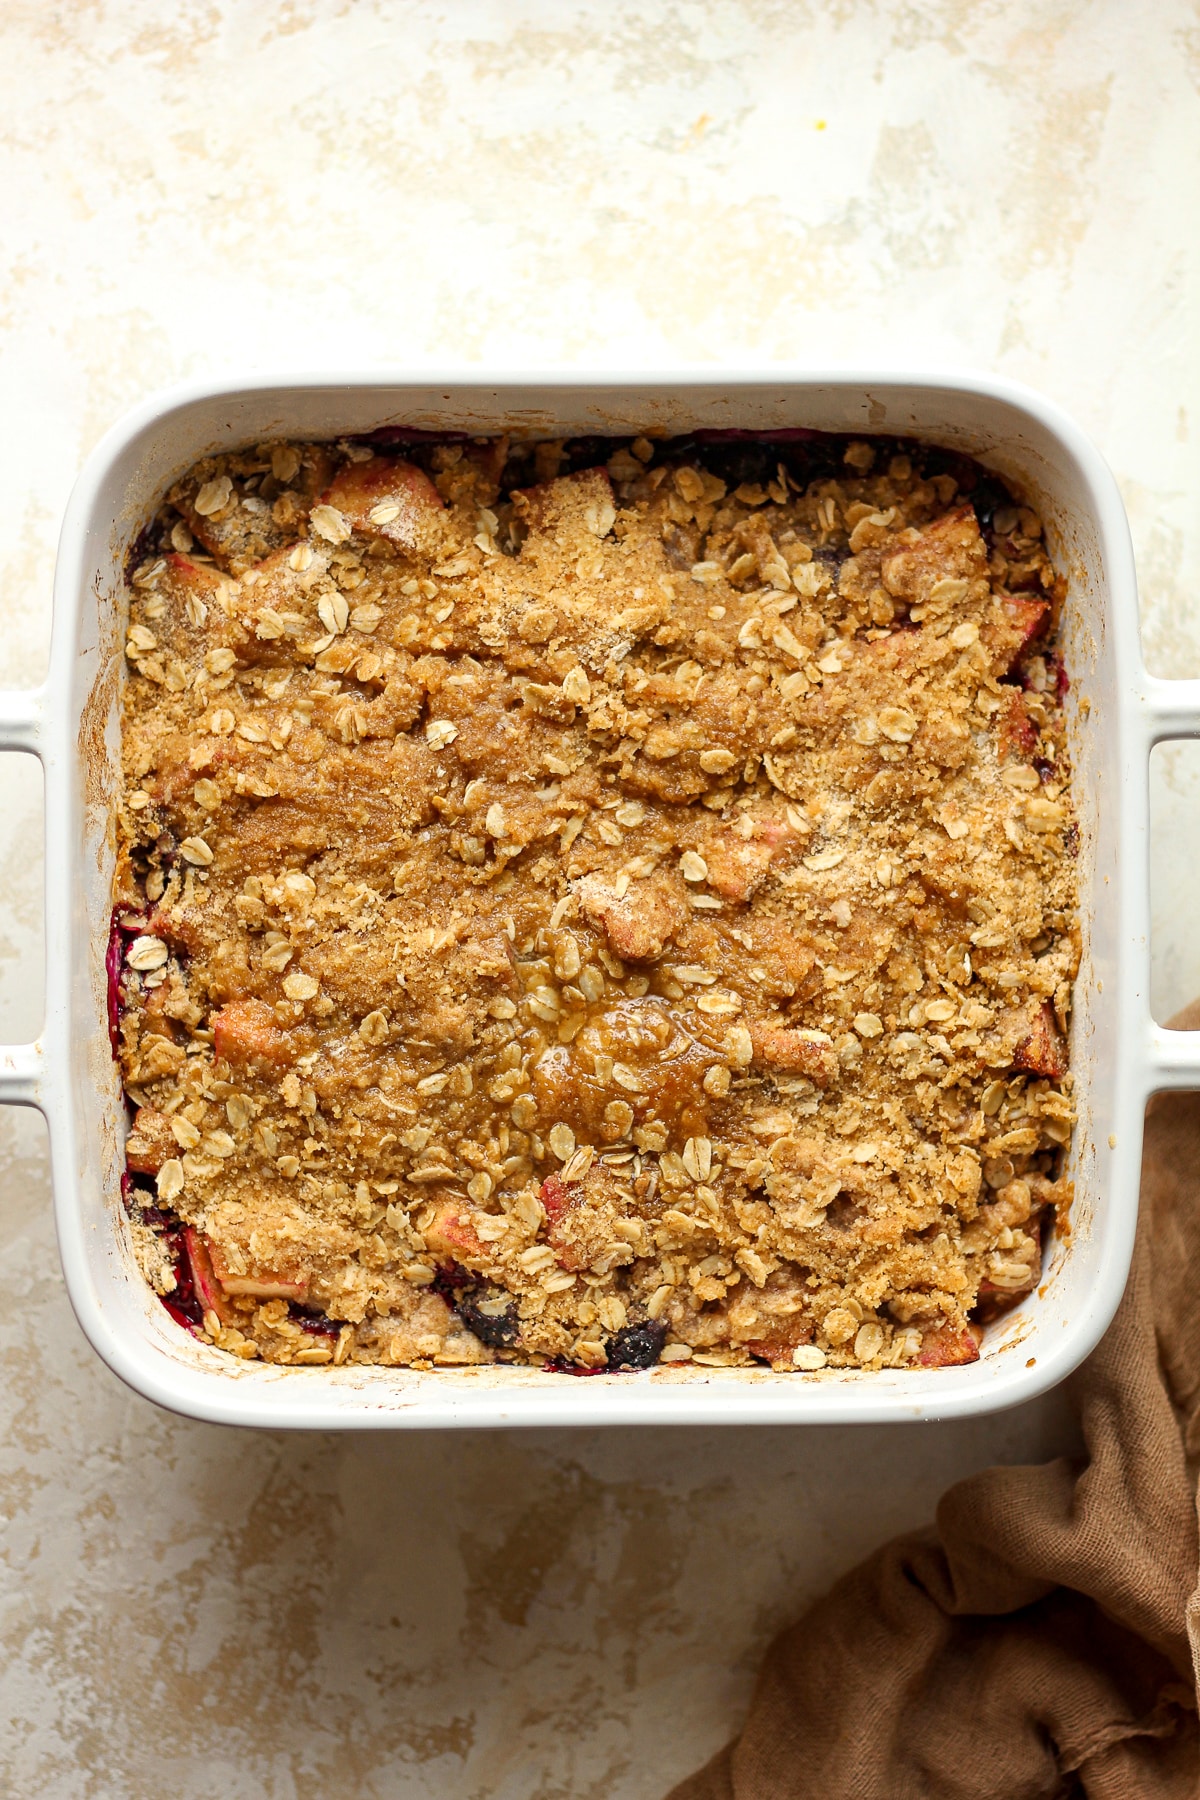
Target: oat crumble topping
<point>594,903</point>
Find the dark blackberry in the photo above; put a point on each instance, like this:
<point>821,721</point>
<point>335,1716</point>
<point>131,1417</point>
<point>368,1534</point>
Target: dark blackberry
<point>988,498</point>
<point>183,1302</point>
<point>496,1330</point>
<point>449,1281</point>
<point>316,1324</point>
<point>587,453</point>
<point>637,1346</point>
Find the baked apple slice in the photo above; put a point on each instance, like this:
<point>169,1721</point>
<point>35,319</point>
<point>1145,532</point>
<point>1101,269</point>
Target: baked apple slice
<point>385,498</point>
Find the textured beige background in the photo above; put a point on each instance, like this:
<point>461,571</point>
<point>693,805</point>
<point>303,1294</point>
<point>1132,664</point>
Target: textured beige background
<point>192,187</point>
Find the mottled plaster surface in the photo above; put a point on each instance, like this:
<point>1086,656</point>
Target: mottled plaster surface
<point>1007,184</point>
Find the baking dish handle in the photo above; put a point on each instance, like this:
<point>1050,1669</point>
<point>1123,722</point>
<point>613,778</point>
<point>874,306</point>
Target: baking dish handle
<point>1171,709</point>
<point>22,714</point>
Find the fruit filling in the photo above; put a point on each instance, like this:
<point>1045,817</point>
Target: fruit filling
<point>600,904</point>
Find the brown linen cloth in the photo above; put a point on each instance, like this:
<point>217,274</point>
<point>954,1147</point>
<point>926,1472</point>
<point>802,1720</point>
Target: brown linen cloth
<point>1043,1641</point>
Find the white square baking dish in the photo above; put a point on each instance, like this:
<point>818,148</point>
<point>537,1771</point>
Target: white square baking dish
<point>1119,1055</point>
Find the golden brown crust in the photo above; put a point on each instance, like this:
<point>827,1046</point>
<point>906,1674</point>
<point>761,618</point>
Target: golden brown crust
<point>599,905</point>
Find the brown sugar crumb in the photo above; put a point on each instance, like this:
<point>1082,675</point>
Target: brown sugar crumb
<point>594,903</point>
